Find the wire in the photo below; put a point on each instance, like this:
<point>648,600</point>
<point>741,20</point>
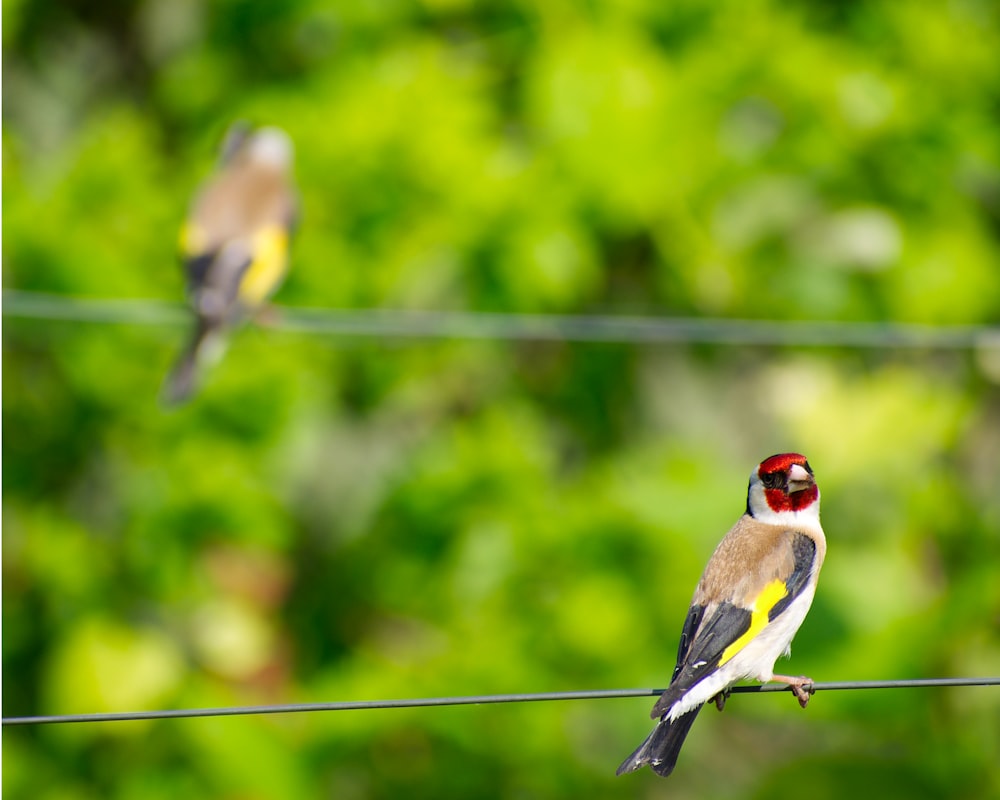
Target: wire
<point>357,705</point>
<point>36,305</point>
<point>401,324</point>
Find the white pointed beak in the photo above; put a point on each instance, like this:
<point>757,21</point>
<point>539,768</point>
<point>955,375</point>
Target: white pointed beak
<point>799,478</point>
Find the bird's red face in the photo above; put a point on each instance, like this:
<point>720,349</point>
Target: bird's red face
<point>788,482</point>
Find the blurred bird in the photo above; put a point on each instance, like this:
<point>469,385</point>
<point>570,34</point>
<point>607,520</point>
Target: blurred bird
<point>235,243</point>
<point>752,598</point>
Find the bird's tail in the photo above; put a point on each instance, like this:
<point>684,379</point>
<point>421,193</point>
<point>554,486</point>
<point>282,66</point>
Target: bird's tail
<point>183,376</point>
<point>662,746</point>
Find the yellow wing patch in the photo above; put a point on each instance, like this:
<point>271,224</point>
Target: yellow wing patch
<point>762,605</point>
<point>267,270</point>
<point>192,240</point>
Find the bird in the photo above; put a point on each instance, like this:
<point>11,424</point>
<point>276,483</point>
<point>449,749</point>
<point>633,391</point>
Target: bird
<point>751,599</point>
<point>234,244</point>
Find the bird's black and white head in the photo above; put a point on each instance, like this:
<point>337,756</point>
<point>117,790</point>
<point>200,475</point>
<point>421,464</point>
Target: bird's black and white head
<point>783,490</point>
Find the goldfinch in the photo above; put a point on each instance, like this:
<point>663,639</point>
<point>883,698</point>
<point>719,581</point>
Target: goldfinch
<point>235,243</point>
<point>753,596</point>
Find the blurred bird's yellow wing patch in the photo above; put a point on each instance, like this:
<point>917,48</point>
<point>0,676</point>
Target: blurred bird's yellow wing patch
<point>768,598</point>
<point>192,240</point>
<point>267,270</point>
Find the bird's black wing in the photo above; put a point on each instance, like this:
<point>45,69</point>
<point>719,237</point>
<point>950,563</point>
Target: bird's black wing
<point>703,655</point>
<point>804,551</point>
<point>709,641</point>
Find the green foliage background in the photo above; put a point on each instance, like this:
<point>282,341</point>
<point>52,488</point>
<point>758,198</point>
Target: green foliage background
<point>358,519</point>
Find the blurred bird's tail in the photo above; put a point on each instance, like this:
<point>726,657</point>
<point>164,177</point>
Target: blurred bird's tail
<point>183,377</point>
<point>662,746</point>
<point>180,382</point>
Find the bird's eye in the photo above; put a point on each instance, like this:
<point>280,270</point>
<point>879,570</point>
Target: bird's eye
<point>771,480</point>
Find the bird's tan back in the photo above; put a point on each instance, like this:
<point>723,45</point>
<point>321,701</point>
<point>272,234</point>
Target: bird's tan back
<point>751,555</point>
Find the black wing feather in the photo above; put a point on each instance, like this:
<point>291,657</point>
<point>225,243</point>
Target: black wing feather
<point>725,626</point>
<point>804,550</point>
<point>694,617</point>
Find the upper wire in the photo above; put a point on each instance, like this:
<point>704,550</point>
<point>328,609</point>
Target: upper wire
<point>404,324</point>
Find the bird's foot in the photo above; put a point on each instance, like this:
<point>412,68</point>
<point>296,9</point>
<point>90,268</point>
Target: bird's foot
<point>267,316</point>
<point>721,698</point>
<point>801,686</point>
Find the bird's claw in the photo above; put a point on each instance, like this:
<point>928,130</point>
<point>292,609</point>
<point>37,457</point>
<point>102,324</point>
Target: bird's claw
<point>802,687</point>
<point>803,692</point>
<point>721,698</point>
<point>267,316</point>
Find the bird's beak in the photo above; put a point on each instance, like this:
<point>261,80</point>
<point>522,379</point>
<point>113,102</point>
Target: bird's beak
<point>799,478</point>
